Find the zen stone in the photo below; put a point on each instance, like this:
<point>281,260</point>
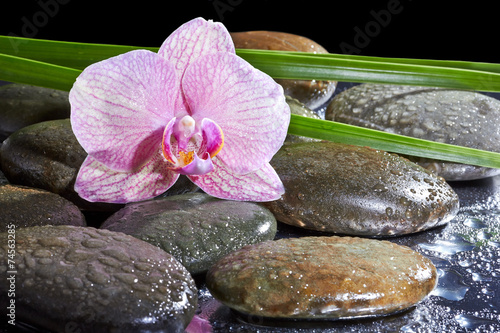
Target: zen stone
<point>25,207</point>
<point>93,280</point>
<point>48,156</point>
<point>322,278</point>
<point>310,92</point>
<point>22,105</point>
<point>196,229</point>
<point>353,190</point>
<point>296,107</point>
<point>451,116</point>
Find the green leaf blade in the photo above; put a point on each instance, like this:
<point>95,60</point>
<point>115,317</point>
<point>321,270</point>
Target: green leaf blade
<point>20,70</point>
<point>349,134</point>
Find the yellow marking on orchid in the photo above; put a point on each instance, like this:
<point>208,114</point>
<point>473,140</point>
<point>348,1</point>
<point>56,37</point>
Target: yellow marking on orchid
<point>186,158</point>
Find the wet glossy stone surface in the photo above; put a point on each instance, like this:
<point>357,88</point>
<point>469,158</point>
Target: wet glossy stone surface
<point>296,107</point>
<point>452,116</point>
<point>322,278</point>
<point>25,207</point>
<point>22,105</point>
<point>48,156</point>
<point>310,92</point>
<point>97,281</point>
<point>358,191</point>
<point>195,228</point>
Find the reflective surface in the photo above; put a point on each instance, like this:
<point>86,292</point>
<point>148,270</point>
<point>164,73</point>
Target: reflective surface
<point>466,253</point>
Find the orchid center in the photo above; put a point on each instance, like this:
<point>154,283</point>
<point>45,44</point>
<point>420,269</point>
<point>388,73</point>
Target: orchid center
<point>189,146</point>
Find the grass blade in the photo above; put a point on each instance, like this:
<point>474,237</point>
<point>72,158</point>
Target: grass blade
<point>349,134</point>
<point>293,65</point>
<point>20,70</point>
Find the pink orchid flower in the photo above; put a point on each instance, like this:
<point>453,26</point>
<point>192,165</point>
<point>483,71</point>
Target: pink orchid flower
<point>194,108</point>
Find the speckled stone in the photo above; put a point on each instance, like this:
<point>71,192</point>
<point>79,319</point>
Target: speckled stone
<point>93,280</point>
<point>310,92</point>
<point>322,278</point>
<point>196,229</point>
<point>353,190</point>
<point>26,207</point>
<point>457,117</point>
<point>22,105</point>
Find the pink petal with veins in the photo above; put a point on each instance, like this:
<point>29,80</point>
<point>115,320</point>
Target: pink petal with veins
<point>261,185</point>
<point>192,40</point>
<point>213,138</point>
<point>96,182</point>
<point>120,106</point>
<point>247,104</point>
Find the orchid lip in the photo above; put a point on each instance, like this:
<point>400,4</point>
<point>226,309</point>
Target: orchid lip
<point>190,147</point>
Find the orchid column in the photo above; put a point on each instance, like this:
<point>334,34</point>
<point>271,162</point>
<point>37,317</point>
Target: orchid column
<point>193,108</point>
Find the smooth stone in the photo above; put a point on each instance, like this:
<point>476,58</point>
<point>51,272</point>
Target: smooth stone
<point>3,179</point>
<point>322,278</point>
<point>95,280</point>
<point>310,92</point>
<point>298,108</point>
<point>358,191</point>
<point>26,207</point>
<point>47,155</point>
<point>22,105</point>
<point>457,117</point>
<point>196,229</point>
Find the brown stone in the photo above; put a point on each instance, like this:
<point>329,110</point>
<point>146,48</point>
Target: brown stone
<point>358,191</point>
<point>322,278</point>
<point>310,92</point>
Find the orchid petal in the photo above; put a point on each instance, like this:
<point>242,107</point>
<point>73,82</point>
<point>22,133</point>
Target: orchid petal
<point>96,182</point>
<point>198,166</point>
<point>167,144</point>
<point>246,103</point>
<point>262,185</point>
<point>213,138</point>
<point>119,108</point>
<point>192,40</point>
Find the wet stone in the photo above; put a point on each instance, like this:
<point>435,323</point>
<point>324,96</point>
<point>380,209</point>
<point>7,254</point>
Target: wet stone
<point>457,117</point>
<point>310,92</point>
<point>353,190</point>
<point>22,105</point>
<point>195,228</point>
<point>25,207</point>
<point>296,107</point>
<point>322,278</point>
<point>64,278</point>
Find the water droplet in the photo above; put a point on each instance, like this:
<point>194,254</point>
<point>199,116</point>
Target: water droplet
<point>389,211</point>
<point>471,322</point>
<point>450,285</point>
<point>300,196</point>
<point>380,188</point>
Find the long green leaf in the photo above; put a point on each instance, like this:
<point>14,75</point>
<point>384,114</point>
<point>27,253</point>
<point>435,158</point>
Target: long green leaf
<point>36,73</point>
<point>292,65</point>
<point>349,134</point>
<point>297,65</point>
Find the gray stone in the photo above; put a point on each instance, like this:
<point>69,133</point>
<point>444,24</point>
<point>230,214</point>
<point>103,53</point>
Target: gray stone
<point>457,117</point>
<point>26,207</point>
<point>196,229</point>
<point>48,156</point>
<point>91,280</point>
<point>322,278</point>
<point>22,105</point>
<point>3,180</point>
<point>296,107</point>
<point>358,191</point>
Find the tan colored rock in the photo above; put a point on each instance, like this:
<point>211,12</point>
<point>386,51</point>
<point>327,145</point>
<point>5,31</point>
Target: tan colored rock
<point>322,278</point>
<point>310,92</point>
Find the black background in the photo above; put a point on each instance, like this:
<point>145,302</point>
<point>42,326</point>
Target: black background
<point>420,29</point>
